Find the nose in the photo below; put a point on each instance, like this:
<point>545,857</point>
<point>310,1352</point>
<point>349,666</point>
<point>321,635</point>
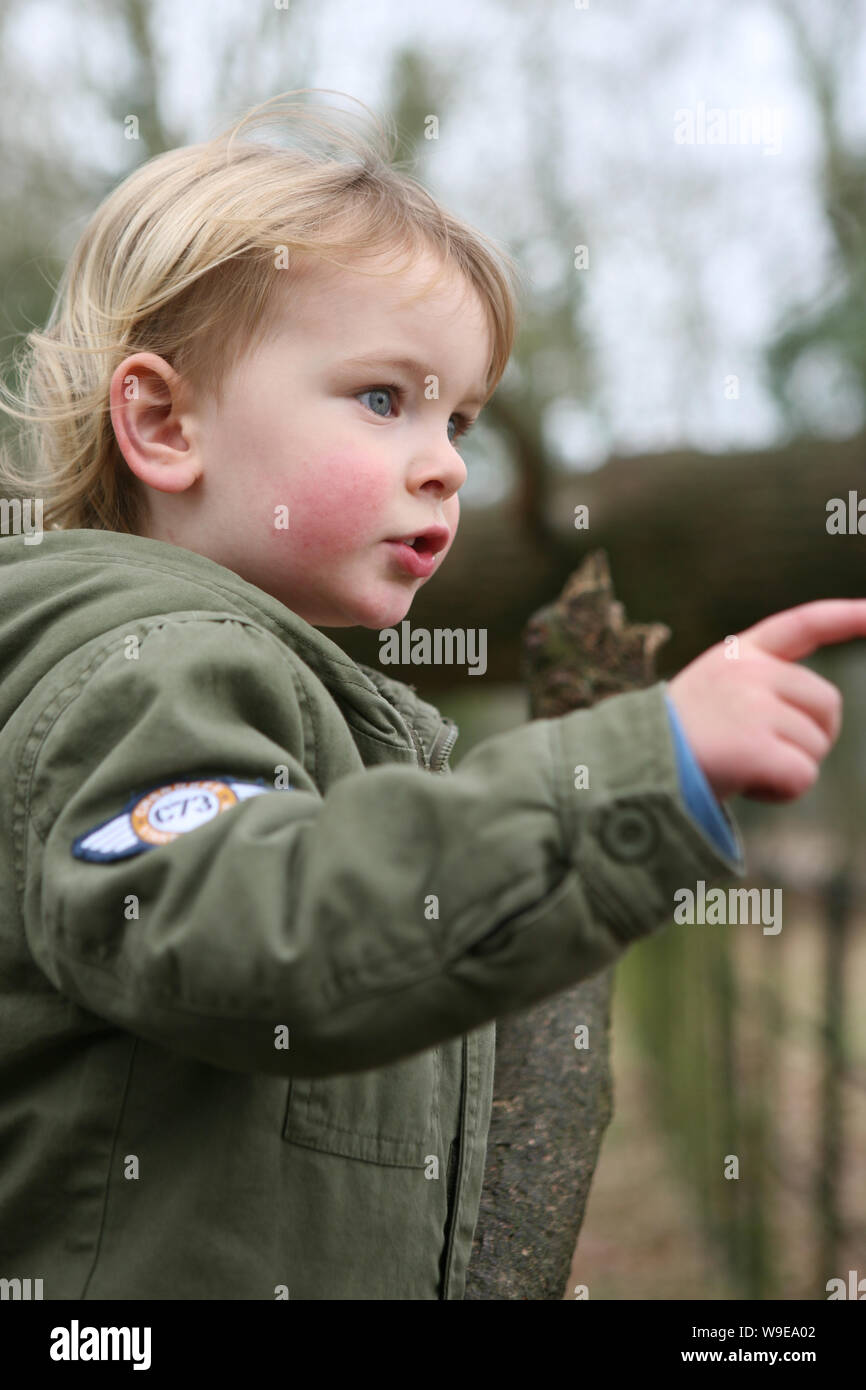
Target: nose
<point>438,470</point>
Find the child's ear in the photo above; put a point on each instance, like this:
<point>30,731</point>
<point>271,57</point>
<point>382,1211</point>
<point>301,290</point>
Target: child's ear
<point>152,423</point>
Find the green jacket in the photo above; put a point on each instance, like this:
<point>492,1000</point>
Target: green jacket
<point>252,950</point>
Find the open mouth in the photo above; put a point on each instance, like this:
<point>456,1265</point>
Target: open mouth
<point>417,554</point>
<point>428,542</point>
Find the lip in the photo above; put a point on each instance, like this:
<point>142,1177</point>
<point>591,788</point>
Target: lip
<point>420,563</point>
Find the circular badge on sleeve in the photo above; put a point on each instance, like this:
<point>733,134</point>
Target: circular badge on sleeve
<point>161,814</point>
<point>178,808</point>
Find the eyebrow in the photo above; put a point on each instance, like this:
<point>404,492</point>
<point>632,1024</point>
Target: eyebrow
<point>410,365</point>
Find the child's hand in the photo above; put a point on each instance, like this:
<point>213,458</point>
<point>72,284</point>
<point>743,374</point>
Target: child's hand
<point>757,724</point>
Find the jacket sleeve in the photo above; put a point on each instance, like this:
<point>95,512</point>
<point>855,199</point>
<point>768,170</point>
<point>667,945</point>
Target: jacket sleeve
<point>398,910</point>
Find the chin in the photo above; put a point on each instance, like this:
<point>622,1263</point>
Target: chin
<point>392,618</point>
<point>375,620</point>
<point>387,613</point>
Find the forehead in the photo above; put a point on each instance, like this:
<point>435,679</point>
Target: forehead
<point>359,309</point>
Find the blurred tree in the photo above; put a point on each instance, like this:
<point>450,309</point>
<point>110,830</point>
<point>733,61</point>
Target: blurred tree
<point>828,44</point>
<point>52,180</point>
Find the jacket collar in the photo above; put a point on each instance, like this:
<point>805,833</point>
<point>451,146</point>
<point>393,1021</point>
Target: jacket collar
<point>387,708</point>
<point>435,733</point>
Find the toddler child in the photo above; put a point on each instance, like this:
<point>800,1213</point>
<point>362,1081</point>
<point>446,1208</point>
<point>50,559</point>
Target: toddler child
<point>255,932</point>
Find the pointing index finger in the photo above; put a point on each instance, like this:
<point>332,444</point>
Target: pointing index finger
<point>798,632</point>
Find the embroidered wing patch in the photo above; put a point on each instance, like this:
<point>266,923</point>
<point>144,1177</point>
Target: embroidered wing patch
<point>161,814</point>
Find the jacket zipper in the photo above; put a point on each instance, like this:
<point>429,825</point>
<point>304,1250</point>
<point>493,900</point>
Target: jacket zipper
<point>419,747</point>
<point>461,1166</point>
<point>442,745</point>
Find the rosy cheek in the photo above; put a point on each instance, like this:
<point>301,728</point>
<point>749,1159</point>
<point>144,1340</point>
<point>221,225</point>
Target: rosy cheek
<point>338,501</point>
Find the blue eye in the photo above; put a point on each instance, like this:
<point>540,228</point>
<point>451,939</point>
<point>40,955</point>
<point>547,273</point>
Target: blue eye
<point>379,391</point>
<point>458,425</point>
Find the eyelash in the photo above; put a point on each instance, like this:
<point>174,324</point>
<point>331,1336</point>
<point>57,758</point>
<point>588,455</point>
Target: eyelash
<point>464,424</point>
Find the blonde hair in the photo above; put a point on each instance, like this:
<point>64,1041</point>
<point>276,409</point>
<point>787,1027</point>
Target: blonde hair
<point>179,260</point>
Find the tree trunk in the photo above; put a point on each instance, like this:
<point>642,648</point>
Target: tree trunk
<point>552,1099</point>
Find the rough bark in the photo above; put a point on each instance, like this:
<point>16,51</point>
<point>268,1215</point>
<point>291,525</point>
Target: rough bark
<point>552,1101</point>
